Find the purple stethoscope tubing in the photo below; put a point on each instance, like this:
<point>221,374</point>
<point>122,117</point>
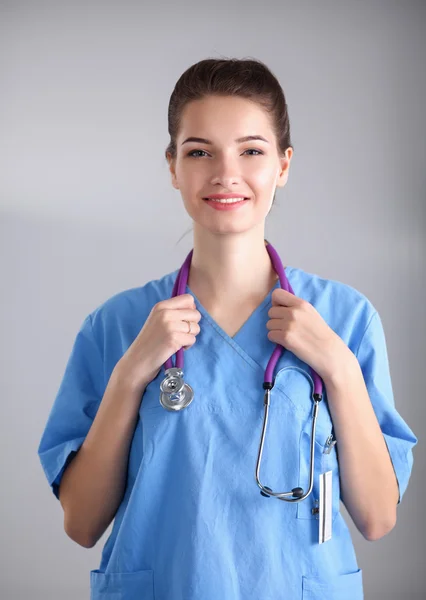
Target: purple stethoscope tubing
<point>296,493</point>
<point>180,287</point>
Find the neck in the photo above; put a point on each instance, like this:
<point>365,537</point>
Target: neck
<point>230,268</point>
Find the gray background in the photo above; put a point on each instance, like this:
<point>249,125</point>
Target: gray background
<point>88,209</point>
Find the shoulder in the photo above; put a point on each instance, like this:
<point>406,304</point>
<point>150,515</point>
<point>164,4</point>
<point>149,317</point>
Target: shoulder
<point>131,306</point>
<point>318,289</point>
<point>347,310</point>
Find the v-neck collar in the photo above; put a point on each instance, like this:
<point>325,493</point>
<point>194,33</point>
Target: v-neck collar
<point>266,303</point>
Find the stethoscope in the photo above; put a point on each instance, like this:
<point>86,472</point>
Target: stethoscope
<point>176,394</point>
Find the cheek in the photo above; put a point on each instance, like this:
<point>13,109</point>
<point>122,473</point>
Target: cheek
<point>193,183</point>
<point>191,187</point>
<point>262,178</point>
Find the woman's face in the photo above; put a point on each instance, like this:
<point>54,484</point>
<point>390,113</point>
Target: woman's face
<point>252,168</point>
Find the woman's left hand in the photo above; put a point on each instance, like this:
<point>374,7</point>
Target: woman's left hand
<point>297,325</point>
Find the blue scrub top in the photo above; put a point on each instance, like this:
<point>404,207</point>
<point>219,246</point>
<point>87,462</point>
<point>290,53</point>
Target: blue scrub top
<point>192,523</point>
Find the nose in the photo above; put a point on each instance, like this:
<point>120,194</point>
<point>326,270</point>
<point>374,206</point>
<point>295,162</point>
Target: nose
<point>226,173</point>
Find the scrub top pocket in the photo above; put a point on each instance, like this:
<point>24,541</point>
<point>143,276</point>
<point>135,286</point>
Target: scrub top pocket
<point>296,385</point>
<point>122,586</point>
<point>343,587</point>
<point>325,460</point>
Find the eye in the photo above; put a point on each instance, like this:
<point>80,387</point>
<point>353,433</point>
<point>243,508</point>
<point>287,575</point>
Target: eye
<point>193,151</point>
<point>249,150</point>
<point>254,150</point>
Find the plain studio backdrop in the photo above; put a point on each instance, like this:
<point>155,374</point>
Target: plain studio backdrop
<point>88,210</point>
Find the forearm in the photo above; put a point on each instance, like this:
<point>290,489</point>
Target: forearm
<point>93,484</point>
<point>369,488</point>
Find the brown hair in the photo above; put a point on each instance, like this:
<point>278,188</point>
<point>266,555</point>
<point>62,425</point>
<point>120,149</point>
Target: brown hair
<point>248,78</point>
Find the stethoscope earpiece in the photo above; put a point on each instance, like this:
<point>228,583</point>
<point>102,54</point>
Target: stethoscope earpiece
<point>297,492</point>
<point>262,493</point>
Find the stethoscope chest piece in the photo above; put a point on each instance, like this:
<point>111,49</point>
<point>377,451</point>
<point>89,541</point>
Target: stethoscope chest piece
<point>175,393</point>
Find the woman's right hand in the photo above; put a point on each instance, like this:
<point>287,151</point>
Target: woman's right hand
<point>163,334</point>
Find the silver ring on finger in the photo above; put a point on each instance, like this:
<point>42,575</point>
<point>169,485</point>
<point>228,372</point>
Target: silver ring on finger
<point>189,325</point>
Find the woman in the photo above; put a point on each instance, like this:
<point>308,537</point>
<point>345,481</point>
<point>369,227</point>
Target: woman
<point>190,519</point>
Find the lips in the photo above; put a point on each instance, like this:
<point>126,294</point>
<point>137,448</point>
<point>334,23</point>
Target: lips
<point>225,196</point>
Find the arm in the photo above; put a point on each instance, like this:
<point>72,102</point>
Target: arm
<point>368,482</point>
<point>374,443</point>
<point>93,483</point>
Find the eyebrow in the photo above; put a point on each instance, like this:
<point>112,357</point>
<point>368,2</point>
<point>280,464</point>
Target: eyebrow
<point>247,138</point>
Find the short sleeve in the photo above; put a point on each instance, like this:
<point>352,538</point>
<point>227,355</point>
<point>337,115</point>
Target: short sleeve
<point>74,408</point>
<point>373,359</point>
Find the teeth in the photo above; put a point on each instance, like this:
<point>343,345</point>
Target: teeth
<point>226,200</point>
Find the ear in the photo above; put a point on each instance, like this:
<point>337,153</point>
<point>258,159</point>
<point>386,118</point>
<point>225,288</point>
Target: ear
<point>172,169</point>
<point>284,167</point>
